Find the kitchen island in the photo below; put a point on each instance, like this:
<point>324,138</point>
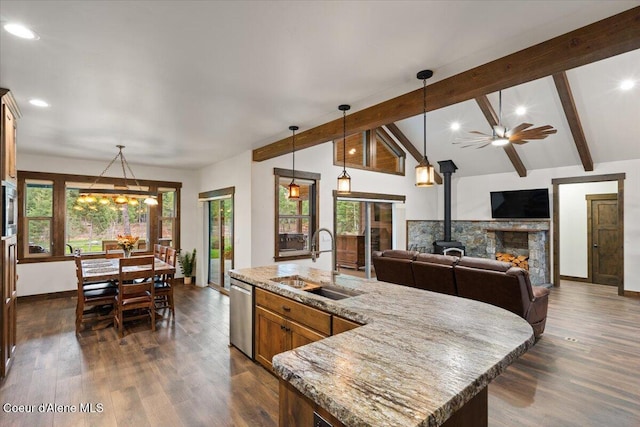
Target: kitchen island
<point>420,358</point>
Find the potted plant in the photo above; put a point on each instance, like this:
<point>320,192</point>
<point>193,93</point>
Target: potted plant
<point>187,265</point>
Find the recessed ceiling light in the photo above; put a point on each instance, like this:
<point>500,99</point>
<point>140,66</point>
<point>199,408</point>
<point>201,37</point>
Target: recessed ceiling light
<point>627,84</point>
<point>38,103</point>
<point>521,110</point>
<point>21,31</point>
<point>455,126</point>
<point>352,151</point>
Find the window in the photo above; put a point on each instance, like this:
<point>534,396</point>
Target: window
<point>38,217</point>
<point>167,199</point>
<point>54,221</point>
<point>371,150</point>
<point>296,220</point>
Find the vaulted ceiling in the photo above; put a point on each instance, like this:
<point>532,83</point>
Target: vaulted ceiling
<point>185,84</point>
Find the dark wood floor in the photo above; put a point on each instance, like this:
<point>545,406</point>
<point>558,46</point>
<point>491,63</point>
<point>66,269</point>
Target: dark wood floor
<point>585,371</point>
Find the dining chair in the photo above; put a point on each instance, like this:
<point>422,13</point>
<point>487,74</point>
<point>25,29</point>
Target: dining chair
<point>156,250</point>
<point>136,292</point>
<point>114,253</point>
<point>95,300</point>
<point>163,253</point>
<point>164,286</point>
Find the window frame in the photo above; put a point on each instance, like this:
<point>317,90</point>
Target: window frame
<point>58,220</point>
<point>314,209</point>
<point>369,138</point>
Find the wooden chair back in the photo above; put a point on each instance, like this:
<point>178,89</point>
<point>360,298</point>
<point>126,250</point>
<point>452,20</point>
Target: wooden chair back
<point>136,290</point>
<point>163,253</point>
<point>171,256</point>
<point>114,253</point>
<point>156,250</point>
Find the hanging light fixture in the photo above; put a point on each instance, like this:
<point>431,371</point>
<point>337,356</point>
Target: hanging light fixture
<point>294,189</point>
<point>424,171</point>
<point>344,180</point>
<point>121,194</point>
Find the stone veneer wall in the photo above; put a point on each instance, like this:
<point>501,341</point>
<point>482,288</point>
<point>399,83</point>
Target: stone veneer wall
<point>480,242</point>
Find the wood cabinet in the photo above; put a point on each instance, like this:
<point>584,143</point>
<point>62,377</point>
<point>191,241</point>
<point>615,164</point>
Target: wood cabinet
<point>341,325</point>
<point>282,324</point>
<point>10,112</point>
<point>9,242</point>
<point>9,252</point>
<point>350,251</point>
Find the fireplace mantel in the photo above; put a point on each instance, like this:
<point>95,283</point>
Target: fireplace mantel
<point>524,230</point>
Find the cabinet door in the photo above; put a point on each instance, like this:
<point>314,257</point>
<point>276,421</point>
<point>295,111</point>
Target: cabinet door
<point>271,336</point>
<point>9,298</point>
<point>301,335</point>
<point>9,125</point>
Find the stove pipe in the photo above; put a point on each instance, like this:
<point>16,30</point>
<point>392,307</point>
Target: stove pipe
<point>447,167</point>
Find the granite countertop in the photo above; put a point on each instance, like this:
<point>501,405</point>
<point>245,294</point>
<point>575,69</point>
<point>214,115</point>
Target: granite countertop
<point>419,357</point>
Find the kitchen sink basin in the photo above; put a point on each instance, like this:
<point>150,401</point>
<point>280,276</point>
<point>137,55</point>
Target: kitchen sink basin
<point>334,292</point>
<point>327,291</point>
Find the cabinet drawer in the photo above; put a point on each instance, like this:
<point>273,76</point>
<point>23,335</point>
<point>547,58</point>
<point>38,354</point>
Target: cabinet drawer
<point>307,316</point>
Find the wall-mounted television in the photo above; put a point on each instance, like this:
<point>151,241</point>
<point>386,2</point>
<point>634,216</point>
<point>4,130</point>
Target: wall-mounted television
<point>520,204</point>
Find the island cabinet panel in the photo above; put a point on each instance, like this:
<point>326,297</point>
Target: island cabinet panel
<point>271,337</point>
<point>295,410</point>
<point>341,325</point>
<point>282,324</point>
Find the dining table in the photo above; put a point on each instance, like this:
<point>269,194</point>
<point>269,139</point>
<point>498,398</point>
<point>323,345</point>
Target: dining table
<point>105,269</point>
<point>108,269</point>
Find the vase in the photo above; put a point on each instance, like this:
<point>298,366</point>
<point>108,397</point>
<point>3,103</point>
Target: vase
<point>127,253</point>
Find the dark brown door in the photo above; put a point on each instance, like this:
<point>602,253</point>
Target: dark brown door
<point>606,256</point>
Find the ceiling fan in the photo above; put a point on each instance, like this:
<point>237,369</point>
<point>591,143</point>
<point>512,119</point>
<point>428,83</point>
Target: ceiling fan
<point>501,135</point>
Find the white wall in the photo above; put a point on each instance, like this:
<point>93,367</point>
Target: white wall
<point>420,201</point>
<point>471,201</point>
<point>573,224</point>
<point>233,172</point>
<point>37,278</point>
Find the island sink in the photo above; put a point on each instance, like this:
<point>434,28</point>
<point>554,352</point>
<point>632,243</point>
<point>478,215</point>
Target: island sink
<point>333,292</point>
<point>327,291</point>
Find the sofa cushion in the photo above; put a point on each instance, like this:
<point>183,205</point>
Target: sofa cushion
<point>435,273</point>
<point>400,254</point>
<point>484,263</point>
<point>394,266</point>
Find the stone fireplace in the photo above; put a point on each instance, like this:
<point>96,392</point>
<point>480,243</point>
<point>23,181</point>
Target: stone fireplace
<point>484,238</point>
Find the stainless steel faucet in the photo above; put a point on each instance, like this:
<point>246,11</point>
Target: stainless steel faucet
<point>334,259</point>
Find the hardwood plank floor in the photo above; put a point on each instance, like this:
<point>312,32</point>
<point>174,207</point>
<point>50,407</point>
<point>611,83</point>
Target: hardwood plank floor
<point>186,375</point>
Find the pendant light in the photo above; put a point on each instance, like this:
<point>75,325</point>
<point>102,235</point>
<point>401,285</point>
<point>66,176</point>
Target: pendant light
<point>344,180</point>
<point>424,171</point>
<point>294,189</point>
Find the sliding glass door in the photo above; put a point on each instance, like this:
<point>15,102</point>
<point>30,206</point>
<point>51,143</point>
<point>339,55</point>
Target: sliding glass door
<point>220,242</point>
<point>362,226</point>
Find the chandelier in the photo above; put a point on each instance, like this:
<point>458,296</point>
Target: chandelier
<point>120,194</point>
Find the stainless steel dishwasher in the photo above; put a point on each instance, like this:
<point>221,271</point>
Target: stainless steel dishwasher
<point>241,316</point>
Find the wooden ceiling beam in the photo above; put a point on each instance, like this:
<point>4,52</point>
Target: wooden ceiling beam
<point>408,145</point>
<point>509,149</point>
<point>570,111</point>
<point>603,39</point>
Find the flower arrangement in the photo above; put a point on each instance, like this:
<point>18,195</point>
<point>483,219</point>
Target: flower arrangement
<point>127,242</point>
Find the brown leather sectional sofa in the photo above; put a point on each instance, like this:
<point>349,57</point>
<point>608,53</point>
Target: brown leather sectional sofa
<point>486,280</point>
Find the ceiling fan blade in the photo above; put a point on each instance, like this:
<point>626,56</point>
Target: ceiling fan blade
<point>519,141</point>
<point>479,133</point>
<point>484,145</point>
<point>519,128</point>
<point>537,133</point>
